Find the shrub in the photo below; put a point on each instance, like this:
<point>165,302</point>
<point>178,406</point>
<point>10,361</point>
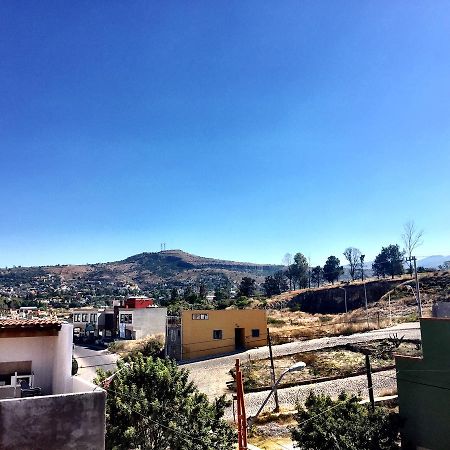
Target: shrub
<point>344,424</point>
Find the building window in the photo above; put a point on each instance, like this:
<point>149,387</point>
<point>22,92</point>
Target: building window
<point>200,317</point>
<point>126,318</point>
<point>255,333</point>
<point>94,318</point>
<point>76,317</point>
<point>217,334</point>
<point>84,317</point>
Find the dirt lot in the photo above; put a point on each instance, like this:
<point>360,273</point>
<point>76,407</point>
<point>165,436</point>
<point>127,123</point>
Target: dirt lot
<point>341,361</point>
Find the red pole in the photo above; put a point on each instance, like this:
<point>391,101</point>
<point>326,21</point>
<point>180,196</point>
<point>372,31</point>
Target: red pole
<point>242,418</point>
<point>238,395</point>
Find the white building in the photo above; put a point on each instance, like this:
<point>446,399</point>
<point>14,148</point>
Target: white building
<point>137,323</point>
<point>38,394</point>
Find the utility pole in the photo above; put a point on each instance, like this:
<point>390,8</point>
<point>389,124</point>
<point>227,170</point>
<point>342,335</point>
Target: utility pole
<point>369,382</point>
<point>242,418</point>
<point>419,303</point>
<point>272,366</point>
<point>390,312</point>
<point>367,310</point>
<point>362,266</point>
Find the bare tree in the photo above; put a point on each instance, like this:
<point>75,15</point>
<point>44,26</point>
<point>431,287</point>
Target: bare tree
<point>287,261</point>
<point>353,256</point>
<point>412,238</point>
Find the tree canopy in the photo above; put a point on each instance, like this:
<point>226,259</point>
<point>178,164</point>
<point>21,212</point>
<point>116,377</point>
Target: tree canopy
<point>276,284</point>
<point>317,275</point>
<point>151,405</point>
<point>332,269</point>
<point>388,262</point>
<point>247,287</point>
<point>300,270</point>
<point>344,424</point>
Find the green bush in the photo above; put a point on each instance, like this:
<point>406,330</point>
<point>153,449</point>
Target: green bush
<point>325,424</point>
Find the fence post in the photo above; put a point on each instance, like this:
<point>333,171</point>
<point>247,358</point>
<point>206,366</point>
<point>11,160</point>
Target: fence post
<point>369,383</point>
<point>272,366</point>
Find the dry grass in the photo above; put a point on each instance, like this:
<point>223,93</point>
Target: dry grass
<point>387,392</point>
<point>126,348</point>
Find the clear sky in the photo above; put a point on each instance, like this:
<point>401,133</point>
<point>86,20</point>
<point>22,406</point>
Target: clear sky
<point>230,129</point>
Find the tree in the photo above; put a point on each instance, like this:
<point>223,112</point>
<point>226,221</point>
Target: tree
<point>247,287</point>
<point>202,291</point>
<point>332,269</point>
<point>353,256</point>
<point>290,275</point>
<point>412,238</point>
<point>344,424</point>
<point>388,262</point>
<point>287,261</point>
<point>317,275</point>
<point>219,295</point>
<point>276,284</point>
<point>173,295</point>
<point>270,286</point>
<point>152,405</point>
<point>300,270</point>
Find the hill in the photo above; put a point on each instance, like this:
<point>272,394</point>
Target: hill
<point>145,271</point>
<point>433,262</point>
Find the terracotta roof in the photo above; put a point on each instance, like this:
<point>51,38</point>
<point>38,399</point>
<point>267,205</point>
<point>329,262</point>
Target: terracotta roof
<point>30,323</point>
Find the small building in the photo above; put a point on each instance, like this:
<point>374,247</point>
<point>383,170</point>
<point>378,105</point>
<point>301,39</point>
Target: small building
<point>423,386</point>
<point>201,333</point>
<point>38,394</point>
<point>137,323</point>
<point>139,302</point>
<point>85,321</point>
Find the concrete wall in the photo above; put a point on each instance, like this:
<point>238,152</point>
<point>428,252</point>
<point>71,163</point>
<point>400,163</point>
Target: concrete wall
<point>146,321</point>
<point>424,389</point>
<point>197,335</point>
<point>55,422</point>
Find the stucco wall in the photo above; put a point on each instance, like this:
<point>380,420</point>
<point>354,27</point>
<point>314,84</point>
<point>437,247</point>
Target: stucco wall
<point>40,350</point>
<point>50,356</point>
<point>62,361</point>
<point>197,335</point>
<point>146,321</point>
<point>55,422</point>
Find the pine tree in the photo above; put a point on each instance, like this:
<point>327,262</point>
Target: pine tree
<point>152,405</point>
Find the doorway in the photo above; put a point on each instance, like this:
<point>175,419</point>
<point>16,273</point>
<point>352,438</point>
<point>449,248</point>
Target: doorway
<point>239,338</point>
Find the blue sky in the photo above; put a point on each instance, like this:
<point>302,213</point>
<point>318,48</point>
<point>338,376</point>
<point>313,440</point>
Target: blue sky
<point>239,130</point>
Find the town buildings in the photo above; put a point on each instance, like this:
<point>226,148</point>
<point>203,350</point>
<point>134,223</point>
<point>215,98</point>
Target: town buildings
<point>39,397</point>
<point>424,389</point>
<point>201,333</point>
<point>133,318</point>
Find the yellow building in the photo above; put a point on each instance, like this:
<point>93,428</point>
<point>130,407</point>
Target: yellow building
<point>201,333</point>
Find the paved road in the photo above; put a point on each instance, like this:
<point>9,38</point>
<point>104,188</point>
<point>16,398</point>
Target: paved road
<point>211,375</point>
<point>89,359</point>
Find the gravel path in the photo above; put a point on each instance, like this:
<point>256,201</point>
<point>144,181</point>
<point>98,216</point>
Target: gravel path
<point>289,397</point>
<point>212,374</point>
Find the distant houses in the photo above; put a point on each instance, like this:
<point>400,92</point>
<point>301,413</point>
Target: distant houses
<point>133,318</point>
